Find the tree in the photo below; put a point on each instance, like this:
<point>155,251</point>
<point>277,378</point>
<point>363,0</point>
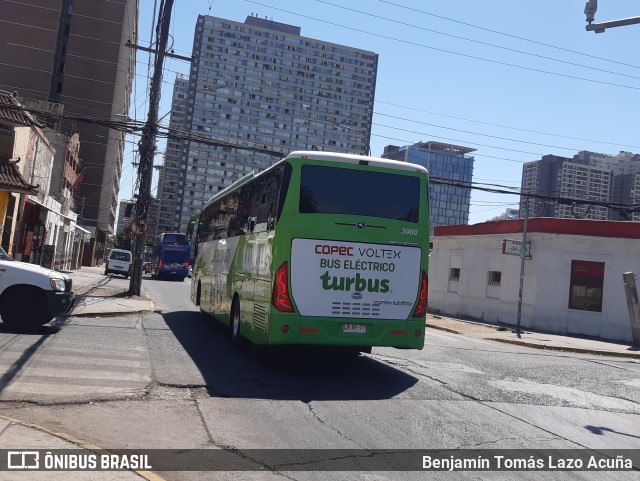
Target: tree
<point>123,239</point>
<point>108,244</point>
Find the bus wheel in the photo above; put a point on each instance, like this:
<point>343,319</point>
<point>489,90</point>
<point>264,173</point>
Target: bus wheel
<point>235,321</point>
<point>198,294</point>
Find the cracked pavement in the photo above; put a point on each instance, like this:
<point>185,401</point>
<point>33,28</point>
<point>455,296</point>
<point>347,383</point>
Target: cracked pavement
<point>170,378</point>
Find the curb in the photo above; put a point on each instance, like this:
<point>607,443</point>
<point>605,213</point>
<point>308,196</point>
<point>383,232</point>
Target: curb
<point>88,289</point>
<point>111,314</point>
<point>440,328</point>
<point>565,349</point>
<point>148,475</point>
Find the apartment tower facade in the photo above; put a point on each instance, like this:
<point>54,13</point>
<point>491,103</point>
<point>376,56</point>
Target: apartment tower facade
<point>70,57</point>
<point>258,90</point>
<point>586,176</point>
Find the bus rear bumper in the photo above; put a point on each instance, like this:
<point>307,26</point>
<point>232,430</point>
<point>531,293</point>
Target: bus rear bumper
<point>291,329</point>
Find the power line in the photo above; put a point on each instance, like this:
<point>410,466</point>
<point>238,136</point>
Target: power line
<point>451,52</point>
<point>458,140</point>
<point>626,208</point>
<point>502,47</point>
<point>509,35</point>
<point>479,133</point>
<point>181,134</point>
<point>507,126</point>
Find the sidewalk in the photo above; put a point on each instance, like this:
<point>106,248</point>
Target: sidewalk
<point>100,295</point>
<point>96,295</point>
<point>532,339</point>
<point>22,436</point>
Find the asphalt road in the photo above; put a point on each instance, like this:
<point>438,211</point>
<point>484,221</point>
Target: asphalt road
<point>172,379</point>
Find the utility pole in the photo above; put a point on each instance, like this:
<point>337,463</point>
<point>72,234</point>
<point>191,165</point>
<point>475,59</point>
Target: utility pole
<point>147,147</point>
<point>633,304</point>
<point>523,253</point>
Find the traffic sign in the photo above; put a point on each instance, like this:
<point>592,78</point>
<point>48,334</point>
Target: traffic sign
<point>138,227</point>
<point>514,248</point>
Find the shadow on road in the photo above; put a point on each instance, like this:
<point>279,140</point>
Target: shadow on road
<point>287,373</point>
<point>40,335</point>
<point>601,430</point>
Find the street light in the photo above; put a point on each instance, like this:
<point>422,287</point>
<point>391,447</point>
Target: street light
<point>590,11</point>
<point>363,134</point>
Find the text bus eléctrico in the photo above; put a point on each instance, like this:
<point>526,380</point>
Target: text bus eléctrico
<point>170,253</point>
<point>320,249</point>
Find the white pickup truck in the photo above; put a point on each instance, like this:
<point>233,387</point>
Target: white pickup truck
<point>30,295</point>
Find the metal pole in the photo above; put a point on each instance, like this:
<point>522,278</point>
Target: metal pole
<point>147,147</point>
<point>633,305</point>
<point>523,251</point>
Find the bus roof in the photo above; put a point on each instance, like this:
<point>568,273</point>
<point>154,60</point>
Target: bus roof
<point>355,159</point>
<point>322,156</point>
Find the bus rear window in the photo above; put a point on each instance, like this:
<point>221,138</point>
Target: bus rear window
<point>175,239</point>
<point>331,190</point>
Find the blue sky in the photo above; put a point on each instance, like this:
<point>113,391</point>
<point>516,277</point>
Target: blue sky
<point>513,79</point>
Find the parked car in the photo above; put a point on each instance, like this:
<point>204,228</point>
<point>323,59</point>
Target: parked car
<point>30,295</point>
<point>119,261</point>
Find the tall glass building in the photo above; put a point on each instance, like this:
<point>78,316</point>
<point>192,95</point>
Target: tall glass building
<point>447,204</point>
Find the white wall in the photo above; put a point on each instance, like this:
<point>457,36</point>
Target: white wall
<point>546,282</point>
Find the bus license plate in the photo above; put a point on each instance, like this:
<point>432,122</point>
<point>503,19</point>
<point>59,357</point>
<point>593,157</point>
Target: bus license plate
<point>354,328</point>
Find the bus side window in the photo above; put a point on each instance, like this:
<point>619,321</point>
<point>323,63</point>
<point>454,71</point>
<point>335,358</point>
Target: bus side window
<point>240,225</point>
<point>265,201</point>
<point>254,203</point>
<point>283,188</point>
<point>209,226</point>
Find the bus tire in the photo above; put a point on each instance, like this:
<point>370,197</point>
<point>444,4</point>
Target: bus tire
<point>234,321</point>
<point>198,291</point>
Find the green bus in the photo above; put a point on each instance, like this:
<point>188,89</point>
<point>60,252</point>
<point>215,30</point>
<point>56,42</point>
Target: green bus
<point>321,249</point>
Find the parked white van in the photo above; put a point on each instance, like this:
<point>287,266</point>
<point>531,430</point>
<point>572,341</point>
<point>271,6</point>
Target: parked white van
<point>30,295</point>
<point>119,261</point>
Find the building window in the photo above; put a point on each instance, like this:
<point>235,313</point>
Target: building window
<point>494,278</point>
<point>454,274</point>
<point>587,280</point>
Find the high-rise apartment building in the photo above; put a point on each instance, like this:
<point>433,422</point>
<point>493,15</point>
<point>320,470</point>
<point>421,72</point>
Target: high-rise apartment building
<point>587,176</point>
<point>258,90</point>
<point>175,153</point>
<point>71,56</point>
<point>448,204</point>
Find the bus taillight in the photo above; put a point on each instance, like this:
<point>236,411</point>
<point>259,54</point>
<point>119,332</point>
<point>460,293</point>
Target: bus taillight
<point>421,308</point>
<point>280,297</point>
<point>160,263</point>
